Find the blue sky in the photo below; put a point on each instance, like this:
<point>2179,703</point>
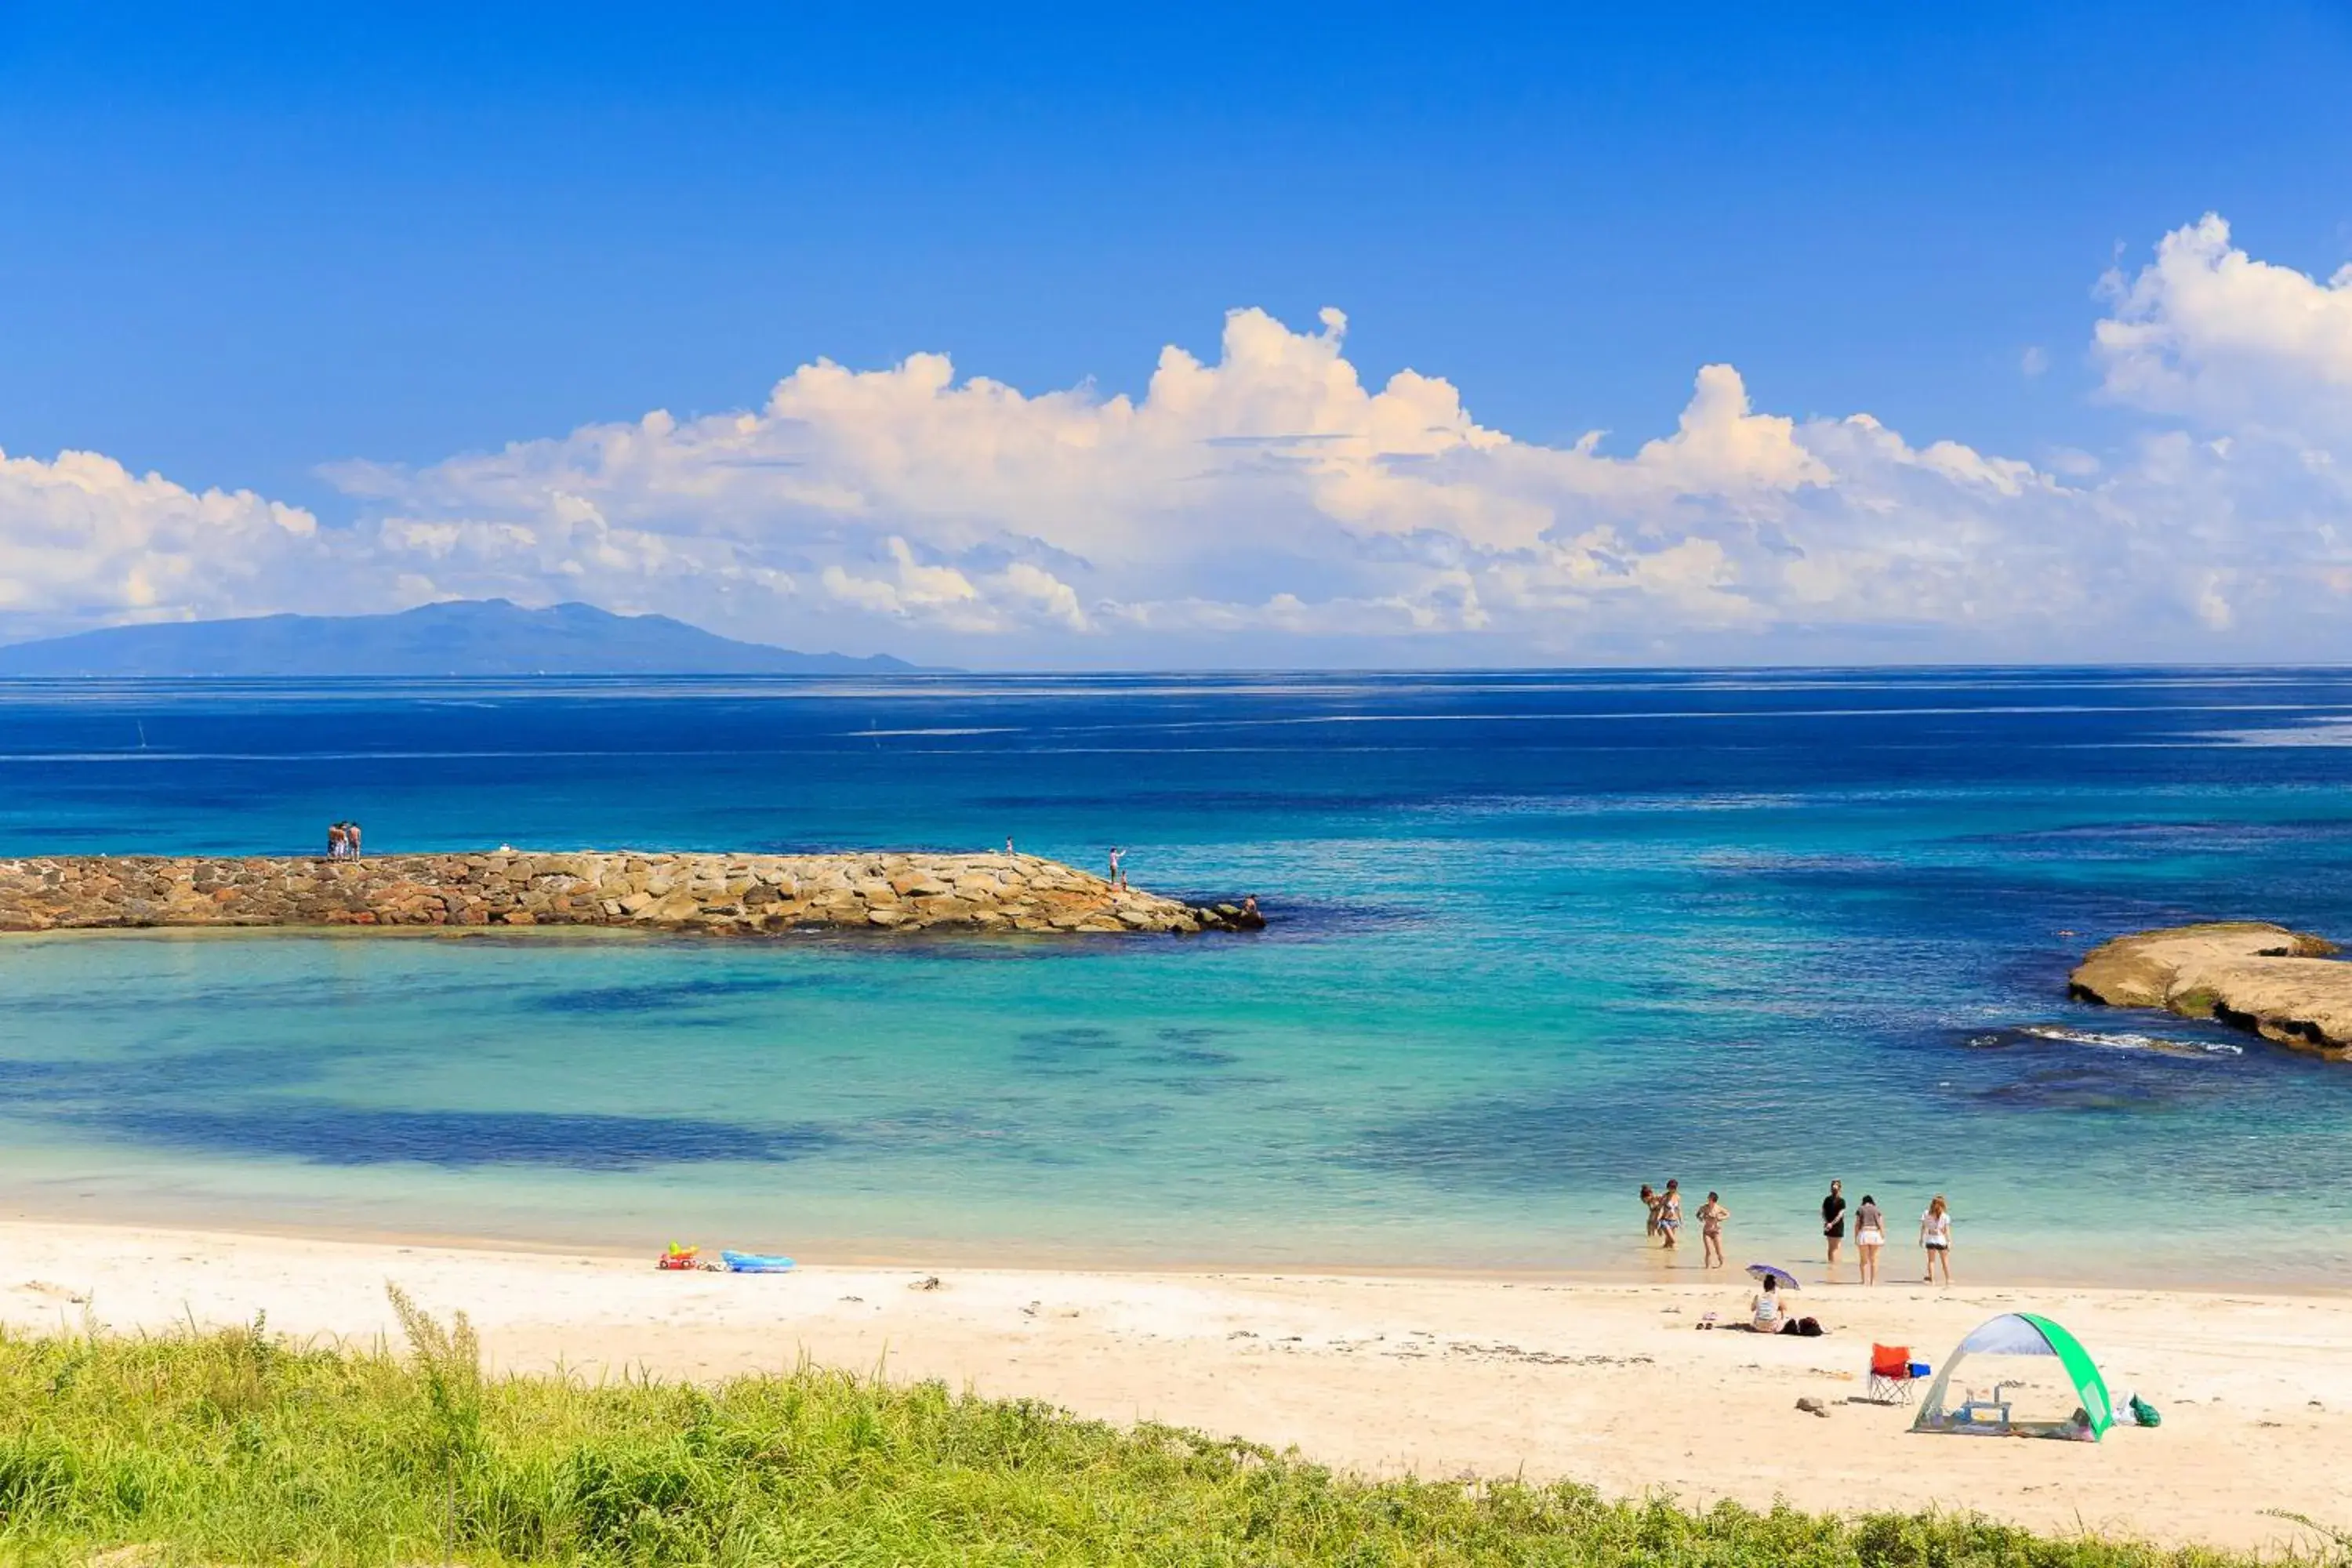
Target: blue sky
<point>328,260</point>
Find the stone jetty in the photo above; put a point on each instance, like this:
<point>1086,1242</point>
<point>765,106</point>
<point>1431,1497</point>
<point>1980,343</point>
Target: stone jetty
<point>2284,985</point>
<point>650,891</point>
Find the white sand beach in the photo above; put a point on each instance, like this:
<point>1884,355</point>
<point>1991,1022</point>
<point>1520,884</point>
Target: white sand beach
<point>1604,1384</point>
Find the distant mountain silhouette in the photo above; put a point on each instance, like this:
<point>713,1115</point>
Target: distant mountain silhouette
<point>465,636</point>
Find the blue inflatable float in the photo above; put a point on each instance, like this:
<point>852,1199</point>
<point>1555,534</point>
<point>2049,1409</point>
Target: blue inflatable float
<point>755,1263</point>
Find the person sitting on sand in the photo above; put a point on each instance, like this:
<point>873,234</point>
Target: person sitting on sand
<point>1764,1312</point>
<point>1767,1315</point>
<point>1711,1215</point>
<point>1670,1212</point>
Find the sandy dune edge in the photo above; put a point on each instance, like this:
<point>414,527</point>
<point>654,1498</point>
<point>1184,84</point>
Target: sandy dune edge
<point>1604,1384</point>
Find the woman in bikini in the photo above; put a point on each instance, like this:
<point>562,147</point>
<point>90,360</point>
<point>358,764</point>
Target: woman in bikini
<point>1711,1215</point>
<point>1650,1201</point>
<point>1670,1214</point>
<point>1936,1235</point>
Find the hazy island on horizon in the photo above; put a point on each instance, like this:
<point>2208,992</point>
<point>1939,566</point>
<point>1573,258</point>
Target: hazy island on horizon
<point>456,638</point>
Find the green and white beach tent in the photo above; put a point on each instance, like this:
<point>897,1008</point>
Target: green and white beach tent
<point>2014,1334</point>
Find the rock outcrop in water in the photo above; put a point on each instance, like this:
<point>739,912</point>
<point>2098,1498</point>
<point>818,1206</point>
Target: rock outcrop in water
<point>678,892</point>
<point>2282,984</point>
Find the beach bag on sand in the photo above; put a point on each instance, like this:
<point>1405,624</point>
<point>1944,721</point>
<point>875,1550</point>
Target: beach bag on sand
<point>2144,1413</point>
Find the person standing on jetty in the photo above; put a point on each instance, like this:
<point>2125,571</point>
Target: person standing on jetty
<point>1833,1220</point>
<point>1118,877</point>
<point>352,840</point>
<point>335,841</point>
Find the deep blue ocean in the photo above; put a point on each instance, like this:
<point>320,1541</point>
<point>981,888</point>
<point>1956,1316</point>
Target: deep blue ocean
<point>1535,939</point>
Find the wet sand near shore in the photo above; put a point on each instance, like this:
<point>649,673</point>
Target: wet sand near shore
<point>1600,1383</point>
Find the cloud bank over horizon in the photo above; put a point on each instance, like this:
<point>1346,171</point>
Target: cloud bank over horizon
<point>1270,508</point>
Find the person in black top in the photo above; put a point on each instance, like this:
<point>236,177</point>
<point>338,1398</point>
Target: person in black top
<point>1833,1219</point>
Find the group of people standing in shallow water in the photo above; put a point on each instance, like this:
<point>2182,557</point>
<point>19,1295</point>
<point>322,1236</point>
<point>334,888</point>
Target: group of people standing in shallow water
<point>1666,1226</point>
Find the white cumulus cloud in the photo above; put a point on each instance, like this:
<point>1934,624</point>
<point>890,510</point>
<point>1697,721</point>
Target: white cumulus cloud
<point>1272,505</point>
<point>2238,344</point>
<point>84,541</point>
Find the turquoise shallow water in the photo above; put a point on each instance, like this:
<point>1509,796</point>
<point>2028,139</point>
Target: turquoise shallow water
<point>1537,939</point>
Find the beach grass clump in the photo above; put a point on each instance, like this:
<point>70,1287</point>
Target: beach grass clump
<point>239,1446</point>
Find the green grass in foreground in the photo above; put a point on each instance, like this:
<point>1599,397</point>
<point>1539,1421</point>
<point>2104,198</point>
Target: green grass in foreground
<point>238,1448</point>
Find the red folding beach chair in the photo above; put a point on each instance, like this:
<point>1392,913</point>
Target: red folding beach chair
<point>1890,1375</point>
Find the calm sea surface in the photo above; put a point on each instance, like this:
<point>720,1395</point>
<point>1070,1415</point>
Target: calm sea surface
<point>1537,939</point>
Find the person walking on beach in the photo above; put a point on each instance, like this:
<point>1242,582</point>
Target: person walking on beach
<point>1869,1236</point>
<point>1652,1202</point>
<point>1670,1214</point>
<point>1936,1235</point>
<point>1833,1220</point>
<point>1711,1215</point>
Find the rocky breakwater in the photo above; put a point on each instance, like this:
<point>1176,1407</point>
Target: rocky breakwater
<point>673,893</point>
<point>2282,984</point>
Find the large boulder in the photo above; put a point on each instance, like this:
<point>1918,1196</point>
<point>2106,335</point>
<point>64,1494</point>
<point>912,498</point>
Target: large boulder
<point>2285,985</point>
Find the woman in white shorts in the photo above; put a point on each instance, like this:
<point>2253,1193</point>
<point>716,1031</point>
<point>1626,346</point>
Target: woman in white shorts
<point>1936,1235</point>
<point>1869,1236</point>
